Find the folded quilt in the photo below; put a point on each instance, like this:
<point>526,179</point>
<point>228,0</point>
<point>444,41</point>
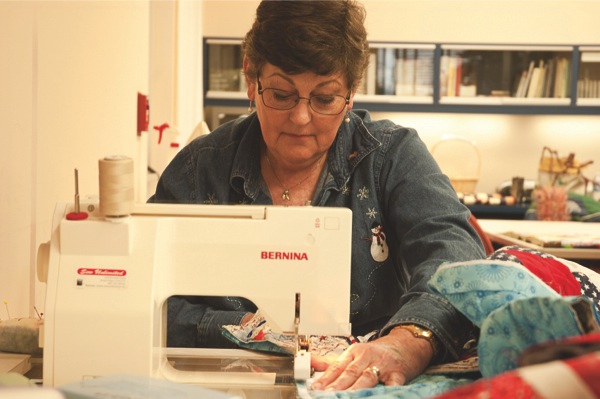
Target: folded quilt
<point>520,297</point>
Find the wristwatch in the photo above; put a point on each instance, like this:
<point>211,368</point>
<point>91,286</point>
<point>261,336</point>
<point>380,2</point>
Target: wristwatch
<point>420,332</point>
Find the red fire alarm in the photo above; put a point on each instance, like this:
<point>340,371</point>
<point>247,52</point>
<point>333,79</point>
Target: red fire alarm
<point>143,113</point>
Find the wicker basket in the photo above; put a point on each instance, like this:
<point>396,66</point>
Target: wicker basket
<point>464,184</point>
<point>460,159</point>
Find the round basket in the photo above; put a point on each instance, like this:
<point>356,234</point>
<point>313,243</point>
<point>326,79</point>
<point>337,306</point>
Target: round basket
<point>464,184</point>
<point>460,159</point>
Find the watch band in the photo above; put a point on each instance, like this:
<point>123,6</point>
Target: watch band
<point>420,332</point>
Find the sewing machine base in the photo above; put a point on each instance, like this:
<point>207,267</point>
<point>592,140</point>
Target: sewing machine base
<point>273,374</point>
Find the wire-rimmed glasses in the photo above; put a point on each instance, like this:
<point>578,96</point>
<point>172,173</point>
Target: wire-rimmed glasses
<point>324,104</point>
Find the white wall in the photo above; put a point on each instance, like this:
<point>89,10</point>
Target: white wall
<point>17,160</point>
<point>70,72</point>
<point>470,21</point>
<point>484,21</point>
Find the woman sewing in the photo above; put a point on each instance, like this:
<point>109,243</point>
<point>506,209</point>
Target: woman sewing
<point>303,62</point>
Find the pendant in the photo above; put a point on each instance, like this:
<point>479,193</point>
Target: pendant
<point>285,195</point>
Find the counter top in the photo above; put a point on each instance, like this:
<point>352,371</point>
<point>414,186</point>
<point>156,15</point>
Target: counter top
<point>534,233</point>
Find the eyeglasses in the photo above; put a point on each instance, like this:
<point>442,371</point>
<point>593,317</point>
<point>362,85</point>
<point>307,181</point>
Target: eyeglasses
<point>325,104</point>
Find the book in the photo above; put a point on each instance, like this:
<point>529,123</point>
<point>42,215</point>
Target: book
<point>541,82</point>
<point>380,67</point>
<point>405,83</point>
<point>518,92</point>
<point>458,76</point>
<point>549,81</point>
<point>389,69</point>
<point>444,62</point>
<point>424,73</point>
<point>453,70</point>
<point>533,83</point>
<point>525,88</point>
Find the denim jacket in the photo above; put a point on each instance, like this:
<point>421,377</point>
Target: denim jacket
<point>407,220</point>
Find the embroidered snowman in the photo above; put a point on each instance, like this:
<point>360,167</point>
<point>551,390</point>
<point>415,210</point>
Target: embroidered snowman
<point>379,247</point>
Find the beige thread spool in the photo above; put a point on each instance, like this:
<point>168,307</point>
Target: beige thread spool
<point>116,186</point>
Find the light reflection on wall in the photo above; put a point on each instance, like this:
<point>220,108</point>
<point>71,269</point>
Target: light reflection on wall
<point>510,145</point>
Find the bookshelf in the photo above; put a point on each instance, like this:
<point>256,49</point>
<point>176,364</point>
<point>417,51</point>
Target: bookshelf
<point>505,75</point>
<point>588,81</point>
<point>224,77</point>
<point>399,73</point>
<point>445,77</point>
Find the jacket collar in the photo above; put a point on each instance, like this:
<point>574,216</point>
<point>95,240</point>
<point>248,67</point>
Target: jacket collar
<point>351,145</point>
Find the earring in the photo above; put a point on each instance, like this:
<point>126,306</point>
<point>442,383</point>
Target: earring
<point>347,118</point>
<point>250,109</point>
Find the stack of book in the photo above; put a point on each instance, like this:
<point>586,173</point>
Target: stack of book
<point>588,85</point>
<point>399,72</point>
<point>545,79</point>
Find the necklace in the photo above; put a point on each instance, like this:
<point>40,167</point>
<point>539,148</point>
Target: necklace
<point>285,195</point>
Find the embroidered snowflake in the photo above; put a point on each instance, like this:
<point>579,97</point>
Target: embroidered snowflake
<point>363,193</point>
<point>345,190</point>
<point>211,199</point>
<point>371,213</point>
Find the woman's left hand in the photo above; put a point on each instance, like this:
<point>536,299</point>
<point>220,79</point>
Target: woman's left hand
<point>393,359</point>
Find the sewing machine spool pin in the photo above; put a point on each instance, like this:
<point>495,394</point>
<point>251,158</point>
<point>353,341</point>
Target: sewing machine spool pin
<point>77,214</point>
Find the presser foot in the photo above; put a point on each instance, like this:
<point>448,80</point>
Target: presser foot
<point>302,369</point>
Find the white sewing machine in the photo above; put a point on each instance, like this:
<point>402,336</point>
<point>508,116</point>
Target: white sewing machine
<point>108,282</point>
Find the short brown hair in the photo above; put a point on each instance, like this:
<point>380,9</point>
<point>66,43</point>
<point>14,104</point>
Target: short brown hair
<point>323,37</point>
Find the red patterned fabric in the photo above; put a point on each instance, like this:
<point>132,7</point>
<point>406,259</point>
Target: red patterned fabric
<point>572,378</point>
<point>505,386</point>
<point>551,271</point>
<point>587,368</point>
<point>577,377</point>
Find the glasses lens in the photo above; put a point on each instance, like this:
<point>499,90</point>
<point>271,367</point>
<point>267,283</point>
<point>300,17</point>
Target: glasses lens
<point>328,105</point>
<point>279,99</point>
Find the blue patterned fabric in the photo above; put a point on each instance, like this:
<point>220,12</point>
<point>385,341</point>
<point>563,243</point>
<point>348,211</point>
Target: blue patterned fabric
<point>422,387</point>
<point>515,326</point>
<point>477,288</point>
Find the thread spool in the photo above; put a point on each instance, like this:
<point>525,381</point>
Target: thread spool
<point>116,186</point>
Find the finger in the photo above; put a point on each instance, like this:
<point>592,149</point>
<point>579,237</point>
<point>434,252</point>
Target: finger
<point>334,369</point>
<point>320,363</point>
<point>346,376</point>
<point>330,375</point>
<point>394,379</point>
<point>367,379</point>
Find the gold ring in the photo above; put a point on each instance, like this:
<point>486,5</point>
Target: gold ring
<point>375,371</point>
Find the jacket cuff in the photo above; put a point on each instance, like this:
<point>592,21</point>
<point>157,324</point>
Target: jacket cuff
<point>453,331</point>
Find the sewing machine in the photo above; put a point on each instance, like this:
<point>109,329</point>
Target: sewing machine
<point>108,282</point>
